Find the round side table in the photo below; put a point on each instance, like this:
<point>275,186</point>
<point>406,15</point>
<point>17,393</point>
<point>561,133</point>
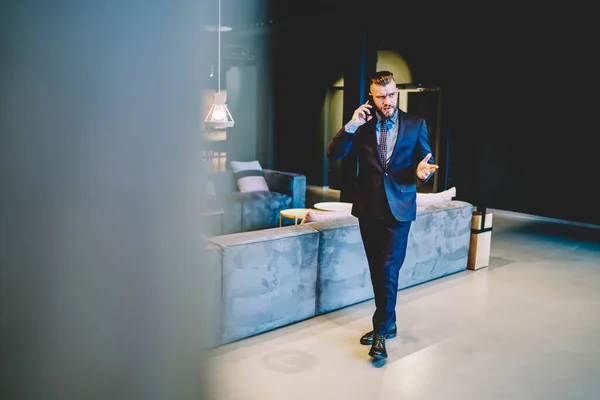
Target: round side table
<point>332,206</point>
<point>295,213</point>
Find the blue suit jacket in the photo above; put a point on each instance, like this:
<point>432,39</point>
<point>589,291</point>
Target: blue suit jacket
<point>395,184</point>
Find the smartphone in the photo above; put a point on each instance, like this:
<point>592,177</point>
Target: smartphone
<point>372,109</point>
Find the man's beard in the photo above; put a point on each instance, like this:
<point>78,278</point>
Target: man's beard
<point>388,113</point>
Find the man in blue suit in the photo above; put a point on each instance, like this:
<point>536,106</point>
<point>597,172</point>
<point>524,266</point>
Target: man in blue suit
<point>393,151</point>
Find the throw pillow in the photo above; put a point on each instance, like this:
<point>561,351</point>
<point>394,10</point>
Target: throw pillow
<point>249,176</point>
<point>424,199</point>
<point>314,215</point>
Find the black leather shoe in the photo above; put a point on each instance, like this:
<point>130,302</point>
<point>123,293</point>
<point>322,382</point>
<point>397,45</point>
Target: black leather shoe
<point>367,338</point>
<point>378,348</point>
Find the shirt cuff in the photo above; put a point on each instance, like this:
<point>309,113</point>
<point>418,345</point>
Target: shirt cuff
<point>350,127</point>
<point>426,179</point>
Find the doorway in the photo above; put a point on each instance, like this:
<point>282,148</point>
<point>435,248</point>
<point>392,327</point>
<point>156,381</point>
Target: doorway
<point>426,102</point>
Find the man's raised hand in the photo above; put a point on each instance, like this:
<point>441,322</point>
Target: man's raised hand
<point>362,114</point>
<point>424,169</point>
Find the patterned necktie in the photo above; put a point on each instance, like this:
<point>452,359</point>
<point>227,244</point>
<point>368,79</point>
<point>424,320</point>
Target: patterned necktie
<point>383,134</point>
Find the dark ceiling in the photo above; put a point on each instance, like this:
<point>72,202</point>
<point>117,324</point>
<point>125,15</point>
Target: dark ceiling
<point>253,20</point>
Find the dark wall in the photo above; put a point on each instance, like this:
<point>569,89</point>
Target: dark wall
<point>522,130</point>
<point>520,125</point>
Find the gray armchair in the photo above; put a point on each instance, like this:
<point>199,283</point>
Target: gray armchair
<point>256,210</point>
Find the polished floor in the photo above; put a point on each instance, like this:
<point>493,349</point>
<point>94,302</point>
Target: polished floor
<point>527,326</point>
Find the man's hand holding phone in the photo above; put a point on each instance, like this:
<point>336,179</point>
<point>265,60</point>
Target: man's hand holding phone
<point>362,114</point>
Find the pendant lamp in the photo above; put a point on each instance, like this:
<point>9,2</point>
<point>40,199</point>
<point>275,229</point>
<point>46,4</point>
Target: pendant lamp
<point>219,116</point>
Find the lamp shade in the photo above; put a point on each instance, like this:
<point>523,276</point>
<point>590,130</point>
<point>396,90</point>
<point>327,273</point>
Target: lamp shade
<point>219,116</point>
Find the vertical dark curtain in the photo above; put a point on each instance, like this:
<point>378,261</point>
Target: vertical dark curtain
<point>361,62</point>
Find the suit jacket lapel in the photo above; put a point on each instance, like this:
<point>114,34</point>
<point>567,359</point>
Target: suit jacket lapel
<point>401,131</point>
<point>372,137</point>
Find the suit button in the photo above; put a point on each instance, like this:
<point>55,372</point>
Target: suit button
<point>385,173</point>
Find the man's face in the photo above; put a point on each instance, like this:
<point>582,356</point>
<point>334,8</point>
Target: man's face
<point>385,98</point>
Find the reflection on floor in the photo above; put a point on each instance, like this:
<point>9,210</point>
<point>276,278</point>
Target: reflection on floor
<point>525,327</point>
<point>317,194</point>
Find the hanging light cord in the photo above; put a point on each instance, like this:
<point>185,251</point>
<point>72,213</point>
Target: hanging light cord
<point>219,51</point>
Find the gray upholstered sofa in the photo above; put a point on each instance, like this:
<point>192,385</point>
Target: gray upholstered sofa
<point>254,210</point>
<point>274,277</point>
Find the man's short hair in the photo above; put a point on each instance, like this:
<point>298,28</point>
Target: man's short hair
<point>381,78</point>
